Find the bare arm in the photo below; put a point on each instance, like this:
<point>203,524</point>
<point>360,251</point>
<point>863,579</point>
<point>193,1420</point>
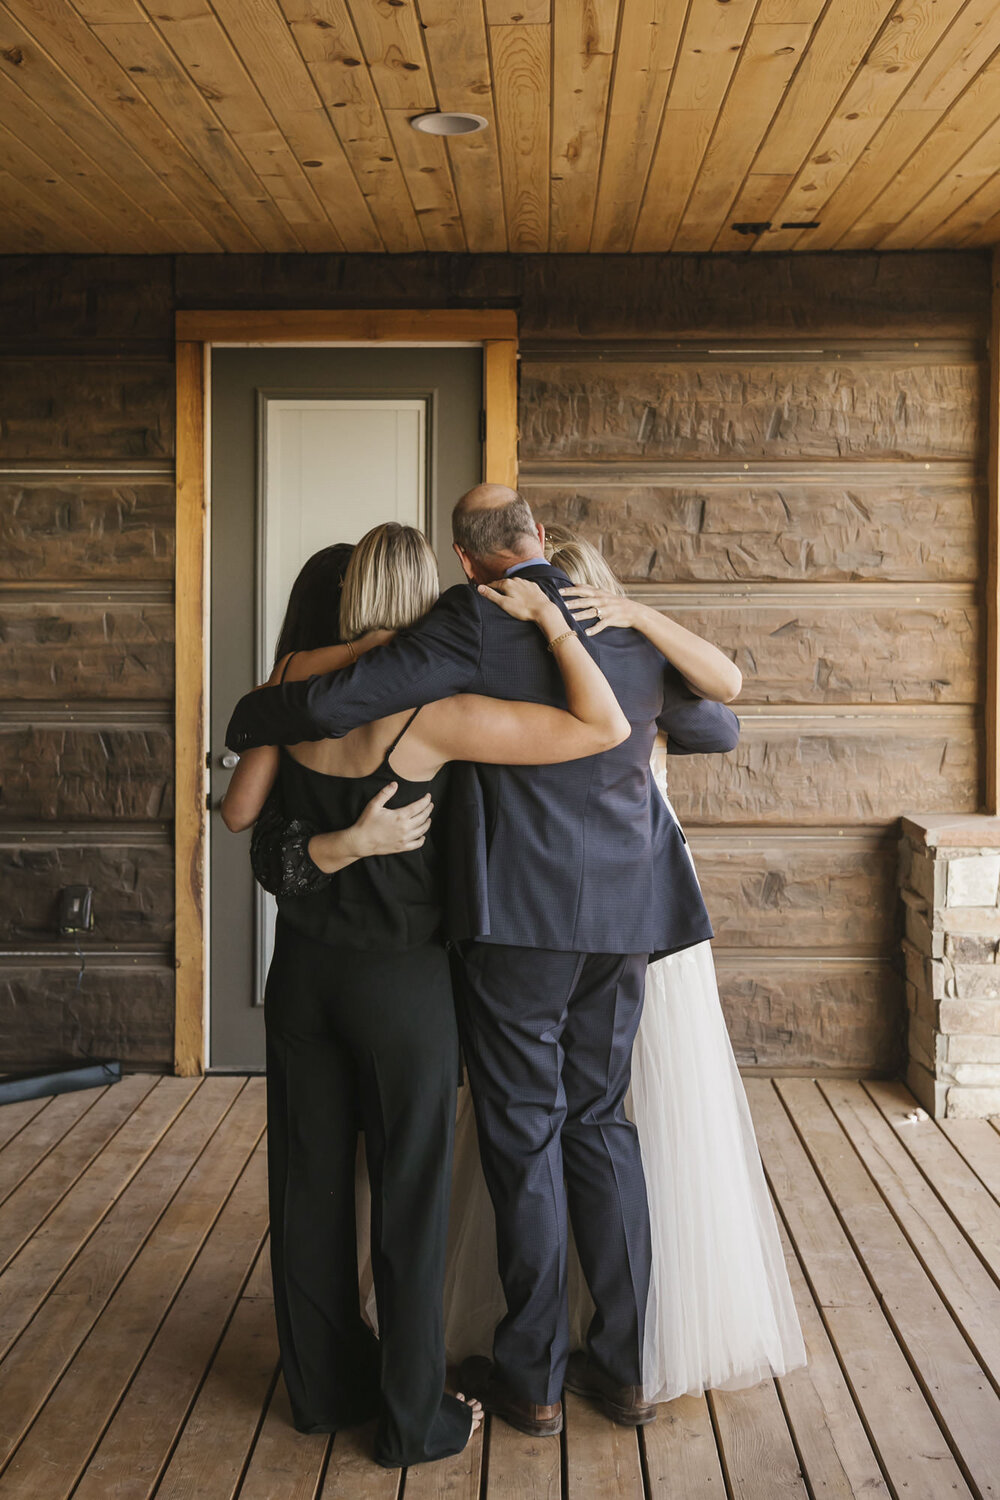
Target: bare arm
<point>379,830</point>
<point>706,669</point>
<point>248,787</point>
<point>325,659</point>
<point>493,730</point>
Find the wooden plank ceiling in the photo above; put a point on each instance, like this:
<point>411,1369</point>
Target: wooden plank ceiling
<point>614,125</point>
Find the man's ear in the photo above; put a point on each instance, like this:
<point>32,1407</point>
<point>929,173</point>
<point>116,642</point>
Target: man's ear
<point>463,558</point>
<point>541,534</point>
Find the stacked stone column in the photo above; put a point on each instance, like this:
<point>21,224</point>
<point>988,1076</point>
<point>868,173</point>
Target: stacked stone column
<point>950,884</point>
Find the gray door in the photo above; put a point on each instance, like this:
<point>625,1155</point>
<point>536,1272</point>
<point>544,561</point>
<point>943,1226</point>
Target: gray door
<point>309,447</point>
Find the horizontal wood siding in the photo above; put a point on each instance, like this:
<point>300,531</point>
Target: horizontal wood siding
<point>86,657</point>
<point>789,522</point>
<point>803,483</point>
<point>785,452</point>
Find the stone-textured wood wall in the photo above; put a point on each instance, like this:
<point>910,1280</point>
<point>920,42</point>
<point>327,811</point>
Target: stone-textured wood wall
<point>785,451</point>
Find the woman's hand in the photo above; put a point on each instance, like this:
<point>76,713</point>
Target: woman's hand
<point>707,671</point>
<point>379,830</point>
<point>521,599</point>
<point>585,603</point>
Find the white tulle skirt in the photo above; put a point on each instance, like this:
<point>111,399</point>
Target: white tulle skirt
<point>720,1313</point>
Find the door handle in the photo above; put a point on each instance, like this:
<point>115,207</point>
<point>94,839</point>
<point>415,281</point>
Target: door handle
<point>229,761</point>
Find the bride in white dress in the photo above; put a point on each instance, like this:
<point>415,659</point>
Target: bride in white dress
<point>720,1313</point>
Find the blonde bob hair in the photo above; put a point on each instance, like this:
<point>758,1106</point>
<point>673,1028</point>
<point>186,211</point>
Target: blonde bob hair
<point>579,560</point>
<point>391,580</point>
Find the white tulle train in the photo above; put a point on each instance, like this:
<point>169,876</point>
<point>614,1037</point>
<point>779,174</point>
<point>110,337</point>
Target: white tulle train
<point>720,1312</point>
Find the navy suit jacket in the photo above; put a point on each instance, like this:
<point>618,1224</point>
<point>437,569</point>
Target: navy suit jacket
<point>582,856</point>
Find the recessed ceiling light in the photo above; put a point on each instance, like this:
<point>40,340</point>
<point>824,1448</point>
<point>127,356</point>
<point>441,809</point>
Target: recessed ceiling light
<point>449,124</point>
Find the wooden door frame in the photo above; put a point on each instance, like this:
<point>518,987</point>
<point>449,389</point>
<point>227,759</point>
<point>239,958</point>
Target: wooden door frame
<point>495,329</point>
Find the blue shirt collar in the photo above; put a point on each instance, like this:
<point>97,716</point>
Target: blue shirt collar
<point>529,562</point>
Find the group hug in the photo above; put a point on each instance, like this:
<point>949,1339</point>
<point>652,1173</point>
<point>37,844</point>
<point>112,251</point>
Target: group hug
<point>492,972</point>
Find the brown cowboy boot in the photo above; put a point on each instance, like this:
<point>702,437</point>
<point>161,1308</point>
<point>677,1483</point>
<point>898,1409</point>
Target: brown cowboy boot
<point>476,1378</point>
<point>624,1404</point>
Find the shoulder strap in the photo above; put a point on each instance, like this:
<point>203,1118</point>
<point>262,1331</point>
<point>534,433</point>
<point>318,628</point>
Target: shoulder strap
<point>399,736</point>
<point>284,669</point>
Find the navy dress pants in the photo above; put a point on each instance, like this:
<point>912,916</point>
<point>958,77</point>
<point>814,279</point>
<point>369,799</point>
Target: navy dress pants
<point>548,1044</point>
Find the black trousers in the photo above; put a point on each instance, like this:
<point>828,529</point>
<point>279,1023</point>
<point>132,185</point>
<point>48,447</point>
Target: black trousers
<point>362,1040</point>
<point>548,1044</point>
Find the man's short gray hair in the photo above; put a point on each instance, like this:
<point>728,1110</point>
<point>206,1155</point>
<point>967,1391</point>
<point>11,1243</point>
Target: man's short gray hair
<point>483,532</point>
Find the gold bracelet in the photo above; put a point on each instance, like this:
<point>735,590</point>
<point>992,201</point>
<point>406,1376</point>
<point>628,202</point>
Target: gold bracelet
<point>566,635</point>
<point>353,650</point>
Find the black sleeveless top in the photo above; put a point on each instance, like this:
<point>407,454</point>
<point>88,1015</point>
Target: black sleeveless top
<point>389,901</point>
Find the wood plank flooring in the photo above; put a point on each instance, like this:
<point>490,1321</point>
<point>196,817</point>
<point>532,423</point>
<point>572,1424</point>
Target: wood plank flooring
<point>138,1355</point>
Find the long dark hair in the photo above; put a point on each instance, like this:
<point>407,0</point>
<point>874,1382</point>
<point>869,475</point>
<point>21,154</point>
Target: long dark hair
<point>312,616</point>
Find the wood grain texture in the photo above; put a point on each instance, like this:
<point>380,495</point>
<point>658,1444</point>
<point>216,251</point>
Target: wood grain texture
<point>682,529</point>
<point>94,528</point>
<point>582,58</point>
<point>36,1269</point>
<point>219,1432</point>
<point>521,70</point>
<point>500,449</point>
<point>810,1012</point>
<point>965,1403</point>
<point>133,892</point>
<point>59,649</point>
<point>758,1455</point>
<point>963,1282</point>
<point>691,296</point>
<point>901,652</point>
<point>457,48</point>
<point>600,1457</point>
<point>39,1193</point>
<point>899,1419</point>
<point>681,1454</point>
<point>887,68</point>
<point>268,51</point>
<point>327,38</point>
<point>991,593</point>
<point>624,296</point>
<point>86,409</point>
<point>282,125</point>
<point>137,1444</point>
<point>835,1451</point>
<point>374,325</point>
<point>710,50</point>
<point>752,410</point>
<point>41,1135</point>
<point>830,891</point>
<point>84,773</point>
<point>125,1013</point>
<point>819,770</point>
<point>202,1407</point>
<point>765,65</point>
<point>48,1461</point>
<point>646,54</point>
<point>190,695</point>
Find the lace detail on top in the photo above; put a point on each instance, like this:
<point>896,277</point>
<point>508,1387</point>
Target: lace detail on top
<point>279,852</point>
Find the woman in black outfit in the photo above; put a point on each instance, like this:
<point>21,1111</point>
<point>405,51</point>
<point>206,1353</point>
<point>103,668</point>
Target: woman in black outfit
<point>361,1030</point>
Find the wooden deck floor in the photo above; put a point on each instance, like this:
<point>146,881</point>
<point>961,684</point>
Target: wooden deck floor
<point>138,1355</point>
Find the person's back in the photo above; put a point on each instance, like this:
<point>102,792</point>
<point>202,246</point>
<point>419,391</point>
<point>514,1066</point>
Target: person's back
<point>580,856</point>
<point>564,878</point>
<point>391,901</point>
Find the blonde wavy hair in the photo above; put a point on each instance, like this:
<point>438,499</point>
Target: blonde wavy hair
<point>391,580</point>
<point>579,560</point>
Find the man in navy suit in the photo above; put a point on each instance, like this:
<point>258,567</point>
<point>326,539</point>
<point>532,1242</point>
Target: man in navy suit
<point>563,881</point>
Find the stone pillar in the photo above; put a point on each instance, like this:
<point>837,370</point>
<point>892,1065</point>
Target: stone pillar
<point>949,882</point>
